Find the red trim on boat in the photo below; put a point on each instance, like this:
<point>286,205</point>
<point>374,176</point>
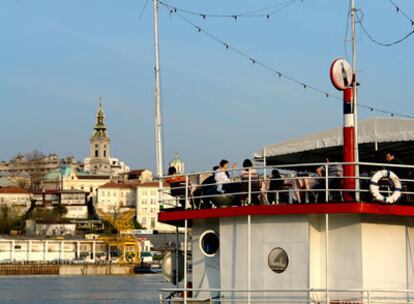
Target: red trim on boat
<point>330,208</point>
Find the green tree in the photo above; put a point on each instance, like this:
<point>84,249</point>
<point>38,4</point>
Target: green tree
<point>5,220</point>
<point>59,211</point>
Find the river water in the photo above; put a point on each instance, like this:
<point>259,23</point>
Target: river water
<point>139,289</point>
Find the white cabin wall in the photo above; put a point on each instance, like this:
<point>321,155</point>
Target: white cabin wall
<point>289,232</point>
<point>345,260</point>
<point>384,256</point>
<point>344,254</point>
<point>410,257</point>
<point>316,252</point>
<point>206,270</point>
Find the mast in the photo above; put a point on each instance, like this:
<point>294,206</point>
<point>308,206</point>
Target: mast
<point>355,100</point>
<point>158,124</point>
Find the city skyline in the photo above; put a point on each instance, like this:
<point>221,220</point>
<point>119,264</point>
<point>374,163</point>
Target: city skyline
<point>58,58</point>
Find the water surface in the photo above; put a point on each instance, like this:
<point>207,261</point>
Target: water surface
<point>81,289</point>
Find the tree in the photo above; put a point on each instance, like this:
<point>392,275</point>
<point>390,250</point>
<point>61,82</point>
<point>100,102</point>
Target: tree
<point>9,220</point>
<point>35,165</point>
<point>137,225</point>
<point>5,220</point>
<point>60,211</point>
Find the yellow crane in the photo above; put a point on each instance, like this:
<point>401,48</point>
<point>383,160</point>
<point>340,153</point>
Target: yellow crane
<point>124,245</point>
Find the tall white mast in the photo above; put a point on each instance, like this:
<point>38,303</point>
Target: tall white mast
<point>355,99</point>
<point>158,123</point>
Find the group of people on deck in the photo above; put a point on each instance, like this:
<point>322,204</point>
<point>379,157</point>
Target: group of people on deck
<point>221,188</point>
<point>246,186</point>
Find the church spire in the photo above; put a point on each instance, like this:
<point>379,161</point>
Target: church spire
<point>100,128</point>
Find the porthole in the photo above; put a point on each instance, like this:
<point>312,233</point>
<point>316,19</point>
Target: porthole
<point>278,260</point>
<point>209,243</point>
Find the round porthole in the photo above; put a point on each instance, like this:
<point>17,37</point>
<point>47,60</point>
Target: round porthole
<point>278,260</point>
<point>209,243</point>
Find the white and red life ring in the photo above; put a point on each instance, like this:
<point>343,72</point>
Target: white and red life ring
<point>374,186</point>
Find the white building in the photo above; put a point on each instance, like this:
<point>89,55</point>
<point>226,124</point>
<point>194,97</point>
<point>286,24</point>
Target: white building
<point>47,250</point>
<point>16,198</point>
<point>113,197</point>
<point>148,207</point>
<point>75,201</point>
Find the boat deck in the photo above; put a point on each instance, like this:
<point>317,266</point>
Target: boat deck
<point>177,216</point>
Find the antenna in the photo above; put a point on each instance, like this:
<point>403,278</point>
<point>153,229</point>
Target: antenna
<point>158,123</point>
<point>355,99</point>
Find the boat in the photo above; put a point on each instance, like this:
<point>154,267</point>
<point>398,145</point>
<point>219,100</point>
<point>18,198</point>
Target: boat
<point>315,238</point>
<point>302,251</point>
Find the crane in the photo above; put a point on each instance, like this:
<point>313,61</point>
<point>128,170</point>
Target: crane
<point>123,244</point>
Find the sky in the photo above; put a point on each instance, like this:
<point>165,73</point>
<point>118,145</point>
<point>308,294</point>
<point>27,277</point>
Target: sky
<point>58,57</point>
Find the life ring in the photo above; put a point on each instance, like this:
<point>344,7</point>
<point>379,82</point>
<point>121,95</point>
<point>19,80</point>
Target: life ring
<point>374,187</point>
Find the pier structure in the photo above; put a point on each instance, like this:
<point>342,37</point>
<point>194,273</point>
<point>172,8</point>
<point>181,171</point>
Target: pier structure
<point>53,250</point>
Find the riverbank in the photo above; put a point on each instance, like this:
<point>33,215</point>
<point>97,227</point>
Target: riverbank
<point>68,270</point>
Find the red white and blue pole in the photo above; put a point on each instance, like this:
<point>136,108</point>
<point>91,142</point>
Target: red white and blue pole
<point>349,142</point>
<point>343,79</point>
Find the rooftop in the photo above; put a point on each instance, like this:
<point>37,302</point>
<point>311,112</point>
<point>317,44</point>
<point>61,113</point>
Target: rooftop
<point>13,190</point>
<point>116,185</point>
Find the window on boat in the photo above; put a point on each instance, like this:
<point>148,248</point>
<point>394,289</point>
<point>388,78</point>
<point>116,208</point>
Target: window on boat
<point>278,260</point>
<point>209,243</point>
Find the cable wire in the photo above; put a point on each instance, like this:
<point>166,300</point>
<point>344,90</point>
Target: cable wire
<point>278,73</point>
<point>273,9</point>
<point>143,9</point>
<point>399,10</point>
<point>347,30</point>
<point>370,37</point>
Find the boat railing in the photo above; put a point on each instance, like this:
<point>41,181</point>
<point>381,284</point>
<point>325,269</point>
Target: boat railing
<point>291,184</point>
<point>312,295</point>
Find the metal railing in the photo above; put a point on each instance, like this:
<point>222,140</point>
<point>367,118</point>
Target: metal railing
<point>313,296</point>
<point>284,184</point>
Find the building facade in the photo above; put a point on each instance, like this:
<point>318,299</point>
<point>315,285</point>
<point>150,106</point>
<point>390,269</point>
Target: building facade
<point>51,250</point>
<point>148,207</point>
<point>75,201</point>
<point>114,197</point>
<point>144,197</point>
<point>17,199</point>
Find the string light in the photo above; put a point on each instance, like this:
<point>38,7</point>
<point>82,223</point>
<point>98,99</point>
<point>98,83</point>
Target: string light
<point>265,12</point>
<point>380,43</point>
<point>280,74</point>
<point>400,11</point>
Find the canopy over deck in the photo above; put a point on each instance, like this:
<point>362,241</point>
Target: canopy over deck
<point>376,136</point>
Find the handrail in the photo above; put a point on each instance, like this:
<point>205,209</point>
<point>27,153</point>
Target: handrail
<point>306,295</point>
<point>295,184</point>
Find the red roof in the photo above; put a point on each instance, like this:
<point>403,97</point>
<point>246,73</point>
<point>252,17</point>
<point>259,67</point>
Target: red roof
<point>116,185</point>
<point>13,190</point>
<point>53,191</point>
<point>151,184</point>
<point>137,171</point>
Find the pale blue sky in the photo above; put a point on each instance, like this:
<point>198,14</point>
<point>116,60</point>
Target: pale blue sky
<point>57,57</point>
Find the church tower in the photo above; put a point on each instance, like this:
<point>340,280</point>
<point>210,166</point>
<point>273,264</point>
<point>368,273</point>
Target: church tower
<point>178,164</point>
<point>100,162</point>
